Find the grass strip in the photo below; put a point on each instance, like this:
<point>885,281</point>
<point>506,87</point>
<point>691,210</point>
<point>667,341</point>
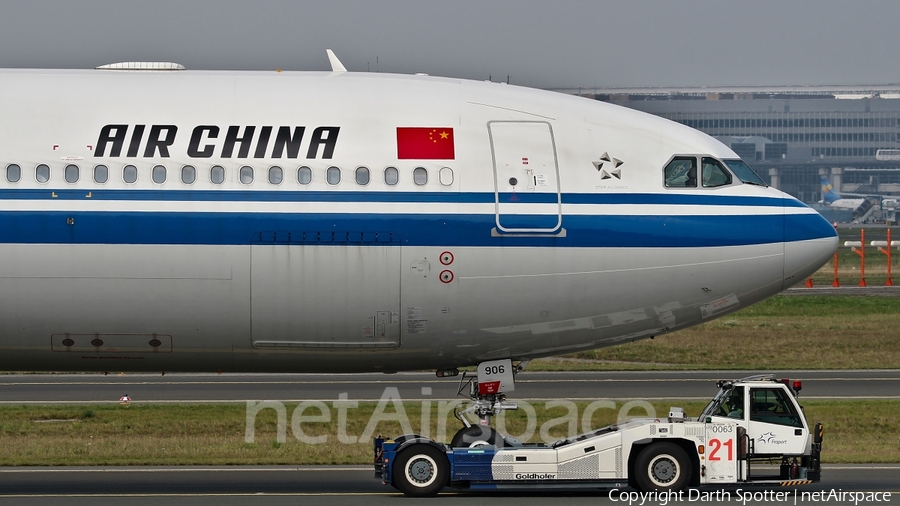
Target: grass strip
<point>211,434</point>
<point>784,332</point>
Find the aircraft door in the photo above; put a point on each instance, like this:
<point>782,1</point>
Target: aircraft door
<point>338,290</point>
<point>526,177</point>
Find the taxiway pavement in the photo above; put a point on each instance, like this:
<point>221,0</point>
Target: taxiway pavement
<point>355,485</point>
<point>192,388</point>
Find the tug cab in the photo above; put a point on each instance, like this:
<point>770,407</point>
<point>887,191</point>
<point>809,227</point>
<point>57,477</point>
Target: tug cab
<point>770,414</point>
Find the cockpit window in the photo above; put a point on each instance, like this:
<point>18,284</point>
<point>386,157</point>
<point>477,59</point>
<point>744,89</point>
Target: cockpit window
<point>744,172</point>
<point>681,172</point>
<point>714,174</point>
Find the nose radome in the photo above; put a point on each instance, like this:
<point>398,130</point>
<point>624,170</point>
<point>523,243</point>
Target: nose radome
<point>810,242</point>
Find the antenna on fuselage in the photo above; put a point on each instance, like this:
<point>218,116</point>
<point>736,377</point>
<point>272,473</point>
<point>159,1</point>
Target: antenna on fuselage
<point>336,65</point>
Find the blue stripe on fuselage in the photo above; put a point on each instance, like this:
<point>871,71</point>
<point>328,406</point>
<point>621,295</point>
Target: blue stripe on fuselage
<point>615,231</point>
<point>399,196</point>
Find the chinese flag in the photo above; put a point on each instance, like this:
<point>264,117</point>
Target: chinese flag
<point>425,143</point>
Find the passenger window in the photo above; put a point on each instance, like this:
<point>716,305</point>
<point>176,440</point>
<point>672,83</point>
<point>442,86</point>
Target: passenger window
<point>446,176</point>
<point>771,405</point>
<point>420,176</point>
<point>362,176</point>
<point>276,175</point>
<point>246,174</point>
<point>101,174</point>
<point>71,173</point>
<point>129,173</point>
<point>217,174</point>
<point>714,174</point>
<point>304,175</point>
<point>188,174</point>
<point>681,172</point>
<point>13,173</point>
<point>158,174</point>
<point>333,175</point>
<point>391,176</point>
<point>42,173</point>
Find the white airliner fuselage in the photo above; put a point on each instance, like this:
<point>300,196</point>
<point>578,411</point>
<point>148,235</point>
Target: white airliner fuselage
<point>348,222</point>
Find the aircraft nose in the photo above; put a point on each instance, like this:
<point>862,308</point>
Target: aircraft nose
<point>809,242</point>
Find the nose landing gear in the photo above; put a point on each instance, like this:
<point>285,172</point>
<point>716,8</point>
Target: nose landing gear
<point>486,390</point>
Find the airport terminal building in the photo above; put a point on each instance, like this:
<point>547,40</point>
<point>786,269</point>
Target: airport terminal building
<point>790,135</point>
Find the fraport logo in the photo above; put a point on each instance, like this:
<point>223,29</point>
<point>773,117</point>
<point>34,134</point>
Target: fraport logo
<point>535,476</point>
<point>769,437</point>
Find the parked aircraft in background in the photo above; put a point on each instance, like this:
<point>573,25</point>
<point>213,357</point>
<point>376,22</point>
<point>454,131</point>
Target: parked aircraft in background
<point>860,209</point>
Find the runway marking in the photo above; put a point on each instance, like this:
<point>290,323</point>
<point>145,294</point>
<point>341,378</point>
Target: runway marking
<point>129,383</point>
<point>402,382</point>
<point>867,468</point>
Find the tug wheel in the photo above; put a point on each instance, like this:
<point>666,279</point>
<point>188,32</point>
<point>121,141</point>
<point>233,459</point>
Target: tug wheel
<point>421,471</point>
<point>662,467</point>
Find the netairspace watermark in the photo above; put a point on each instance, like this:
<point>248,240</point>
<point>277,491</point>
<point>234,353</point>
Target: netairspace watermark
<point>308,413</point>
<point>743,497</point>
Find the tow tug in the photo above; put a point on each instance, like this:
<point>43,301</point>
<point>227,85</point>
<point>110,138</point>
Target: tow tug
<point>749,422</point>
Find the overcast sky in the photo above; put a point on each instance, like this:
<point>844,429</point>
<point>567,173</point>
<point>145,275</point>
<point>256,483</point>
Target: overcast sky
<point>560,43</point>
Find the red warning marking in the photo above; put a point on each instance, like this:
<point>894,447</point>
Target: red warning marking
<point>446,276</point>
<point>90,147</point>
<point>489,387</point>
<point>55,146</point>
<point>524,160</point>
<point>446,258</point>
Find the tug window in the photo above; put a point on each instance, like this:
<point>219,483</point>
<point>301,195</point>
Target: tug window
<point>276,175</point>
<point>333,175</point>
<point>420,176</point>
<point>733,405</point>
<point>681,172</point>
<point>391,176</point>
<point>714,174</point>
<point>246,174</point>
<point>129,173</point>
<point>13,173</point>
<point>304,175</point>
<point>188,174</point>
<point>217,174</point>
<point>42,173</point>
<point>771,405</point>
<point>101,174</point>
<point>158,174</point>
<point>362,176</point>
